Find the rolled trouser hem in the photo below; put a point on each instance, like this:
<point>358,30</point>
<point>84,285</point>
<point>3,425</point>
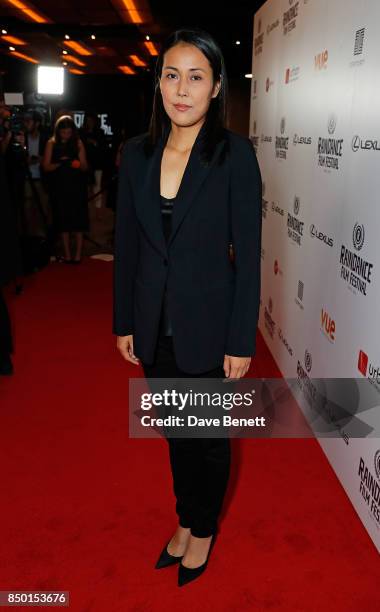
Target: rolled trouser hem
<point>202,533</point>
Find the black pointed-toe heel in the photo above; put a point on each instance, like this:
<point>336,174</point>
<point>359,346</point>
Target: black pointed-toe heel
<point>187,574</point>
<point>165,559</point>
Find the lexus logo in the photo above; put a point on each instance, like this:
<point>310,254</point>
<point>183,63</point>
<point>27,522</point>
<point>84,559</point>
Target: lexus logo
<point>367,145</point>
<point>355,144</point>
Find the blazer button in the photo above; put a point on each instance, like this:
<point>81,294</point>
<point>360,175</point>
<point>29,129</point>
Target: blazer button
<point>165,262</point>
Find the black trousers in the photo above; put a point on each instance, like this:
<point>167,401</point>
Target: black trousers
<point>6,343</point>
<point>200,466</point>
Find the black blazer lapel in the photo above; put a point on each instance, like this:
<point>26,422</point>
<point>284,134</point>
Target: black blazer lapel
<point>148,202</point>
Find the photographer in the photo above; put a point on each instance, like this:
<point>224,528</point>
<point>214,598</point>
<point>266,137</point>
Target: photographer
<point>12,146</point>
<point>37,211</point>
<point>10,267</point>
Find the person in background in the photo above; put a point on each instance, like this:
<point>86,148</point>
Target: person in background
<point>63,112</point>
<point>65,161</point>
<point>95,144</point>
<point>10,268</point>
<point>112,170</point>
<point>38,213</point>
<point>12,146</point>
<point>5,132</point>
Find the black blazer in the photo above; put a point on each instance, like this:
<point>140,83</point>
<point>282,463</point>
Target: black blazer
<point>213,302</point>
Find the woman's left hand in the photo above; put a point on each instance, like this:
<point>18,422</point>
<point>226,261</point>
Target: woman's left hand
<point>236,367</point>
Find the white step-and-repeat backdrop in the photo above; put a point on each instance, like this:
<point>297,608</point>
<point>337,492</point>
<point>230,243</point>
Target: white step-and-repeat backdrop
<point>315,125</point>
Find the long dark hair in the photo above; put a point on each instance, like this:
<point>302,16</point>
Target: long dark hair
<point>65,121</point>
<point>160,123</point>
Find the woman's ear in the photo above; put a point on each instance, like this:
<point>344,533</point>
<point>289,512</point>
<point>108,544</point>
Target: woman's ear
<point>217,88</point>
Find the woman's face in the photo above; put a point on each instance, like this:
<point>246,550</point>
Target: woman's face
<point>65,133</point>
<point>187,79</point>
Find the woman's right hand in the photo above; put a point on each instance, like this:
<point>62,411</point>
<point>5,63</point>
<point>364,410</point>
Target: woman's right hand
<point>125,347</point>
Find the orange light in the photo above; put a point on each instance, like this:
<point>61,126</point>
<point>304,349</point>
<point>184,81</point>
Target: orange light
<point>13,40</point>
<point>151,47</point>
<point>76,71</point>
<point>127,69</point>
<point>136,60</point>
<point>28,11</point>
<point>74,60</point>
<point>77,47</point>
<point>132,11</point>
<point>27,58</point>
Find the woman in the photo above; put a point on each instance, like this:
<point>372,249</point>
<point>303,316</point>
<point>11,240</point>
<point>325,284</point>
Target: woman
<point>65,160</point>
<point>187,189</point>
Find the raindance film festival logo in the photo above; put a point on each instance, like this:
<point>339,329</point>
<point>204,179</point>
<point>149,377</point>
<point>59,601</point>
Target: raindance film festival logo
<point>330,150</point>
<point>282,142</point>
<point>294,224</point>
<point>259,40</point>
<point>355,270</point>
<point>369,487</point>
<point>289,18</point>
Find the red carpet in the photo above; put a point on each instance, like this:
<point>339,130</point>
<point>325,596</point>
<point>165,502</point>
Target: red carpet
<point>87,510</point>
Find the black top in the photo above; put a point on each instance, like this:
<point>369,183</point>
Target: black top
<point>68,190</point>
<point>166,213</point>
